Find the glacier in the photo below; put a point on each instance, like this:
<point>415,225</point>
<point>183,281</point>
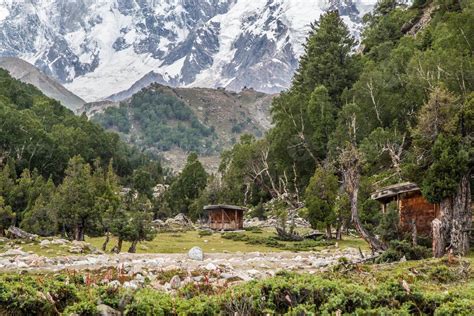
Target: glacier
<point>98,48</point>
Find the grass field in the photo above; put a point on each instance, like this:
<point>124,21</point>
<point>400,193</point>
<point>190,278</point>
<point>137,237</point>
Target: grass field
<point>181,242</point>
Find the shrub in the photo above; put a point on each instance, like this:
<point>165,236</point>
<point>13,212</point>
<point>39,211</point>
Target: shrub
<point>399,249</point>
<point>459,307</point>
<point>84,308</point>
<point>149,302</point>
<point>204,232</point>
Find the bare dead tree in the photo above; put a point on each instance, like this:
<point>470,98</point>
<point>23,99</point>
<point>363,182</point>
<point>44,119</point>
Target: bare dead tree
<point>350,161</point>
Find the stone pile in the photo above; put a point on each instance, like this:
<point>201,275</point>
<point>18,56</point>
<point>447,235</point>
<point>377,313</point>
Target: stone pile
<point>178,223</point>
<point>273,221</point>
<point>222,266</point>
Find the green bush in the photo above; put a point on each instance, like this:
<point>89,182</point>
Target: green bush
<point>460,307</point>
<point>84,308</point>
<point>401,248</point>
<point>150,302</point>
<point>203,233</point>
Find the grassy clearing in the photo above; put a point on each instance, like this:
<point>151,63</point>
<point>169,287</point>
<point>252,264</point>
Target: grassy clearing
<point>181,242</point>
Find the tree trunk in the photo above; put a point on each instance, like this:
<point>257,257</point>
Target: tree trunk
<point>350,160</point>
<point>439,243</point>
<point>328,231</point>
<point>339,232</point>
<point>462,218</point>
<point>118,247</point>
<point>133,247</point>
<point>414,234</point>
<point>374,243</point>
<point>451,229</point>
<point>106,242</point>
<point>79,233</point>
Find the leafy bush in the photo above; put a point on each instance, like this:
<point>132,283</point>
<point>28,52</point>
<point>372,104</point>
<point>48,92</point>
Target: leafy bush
<point>399,249</point>
<point>205,232</point>
<point>149,302</point>
<point>461,307</point>
<point>83,308</point>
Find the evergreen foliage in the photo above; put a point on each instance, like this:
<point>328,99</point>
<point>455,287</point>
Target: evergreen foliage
<point>164,122</point>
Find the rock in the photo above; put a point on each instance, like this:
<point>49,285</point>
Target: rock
<point>21,265</point>
<point>210,266</point>
<point>45,243</point>
<point>17,233</point>
<point>179,221</point>
<point>159,189</point>
<point>140,278</point>
<point>158,223</point>
<point>75,249</point>
<point>244,277</point>
<point>228,276</point>
<point>198,278</point>
<point>132,285</point>
<point>175,282</point>
<point>114,285</point>
<point>105,310</point>
<point>59,241</point>
<point>196,253</point>
<point>14,252</point>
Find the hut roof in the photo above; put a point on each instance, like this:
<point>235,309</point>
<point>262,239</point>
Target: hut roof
<point>223,206</point>
<point>389,192</point>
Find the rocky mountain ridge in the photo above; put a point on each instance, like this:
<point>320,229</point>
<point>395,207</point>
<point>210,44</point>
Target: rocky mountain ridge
<point>99,48</point>
<point>226,114</point>
<point>27,73</point>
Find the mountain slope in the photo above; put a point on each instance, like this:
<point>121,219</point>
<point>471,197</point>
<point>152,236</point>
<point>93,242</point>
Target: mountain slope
<point>27,73</point>
<point>174,121</point>
<point>99,48</point>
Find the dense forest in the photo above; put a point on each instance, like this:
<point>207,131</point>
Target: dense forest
<point>61,174</point>
<point>398,107</point>
<point>164,122</point>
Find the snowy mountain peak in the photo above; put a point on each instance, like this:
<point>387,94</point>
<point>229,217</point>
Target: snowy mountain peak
<point>101,47</point>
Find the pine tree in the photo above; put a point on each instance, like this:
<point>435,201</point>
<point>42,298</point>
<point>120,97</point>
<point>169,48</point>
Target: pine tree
<point>188,185</point>
<point>320,197</point>
<point>75,199</point>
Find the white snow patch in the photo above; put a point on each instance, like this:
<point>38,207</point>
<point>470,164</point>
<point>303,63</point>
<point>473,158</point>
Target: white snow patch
<point>4,13</point>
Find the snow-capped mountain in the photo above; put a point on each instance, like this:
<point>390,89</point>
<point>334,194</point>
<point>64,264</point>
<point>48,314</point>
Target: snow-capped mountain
<point>98,48</point>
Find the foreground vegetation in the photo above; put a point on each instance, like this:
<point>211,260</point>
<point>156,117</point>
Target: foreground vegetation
<point>429,287</point>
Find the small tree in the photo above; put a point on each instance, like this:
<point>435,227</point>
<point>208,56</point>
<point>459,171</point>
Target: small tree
<point>7,216</point>
<point>141,224</point>
<point>132,222</point>
<point>42,219</point>
<point>75,198</point>
<point>320,197</point>
<point>188,185</point>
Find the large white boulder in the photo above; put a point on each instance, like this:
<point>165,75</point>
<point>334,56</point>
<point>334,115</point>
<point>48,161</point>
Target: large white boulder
<point>196,253</point>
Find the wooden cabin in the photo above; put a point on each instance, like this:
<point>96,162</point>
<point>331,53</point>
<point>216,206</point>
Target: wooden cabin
<point>225,217</point>
<point>411,206</point>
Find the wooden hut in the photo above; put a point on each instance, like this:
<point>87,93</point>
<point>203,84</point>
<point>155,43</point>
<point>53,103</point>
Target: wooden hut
<point>411,205</point>
<point>225,217</point>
